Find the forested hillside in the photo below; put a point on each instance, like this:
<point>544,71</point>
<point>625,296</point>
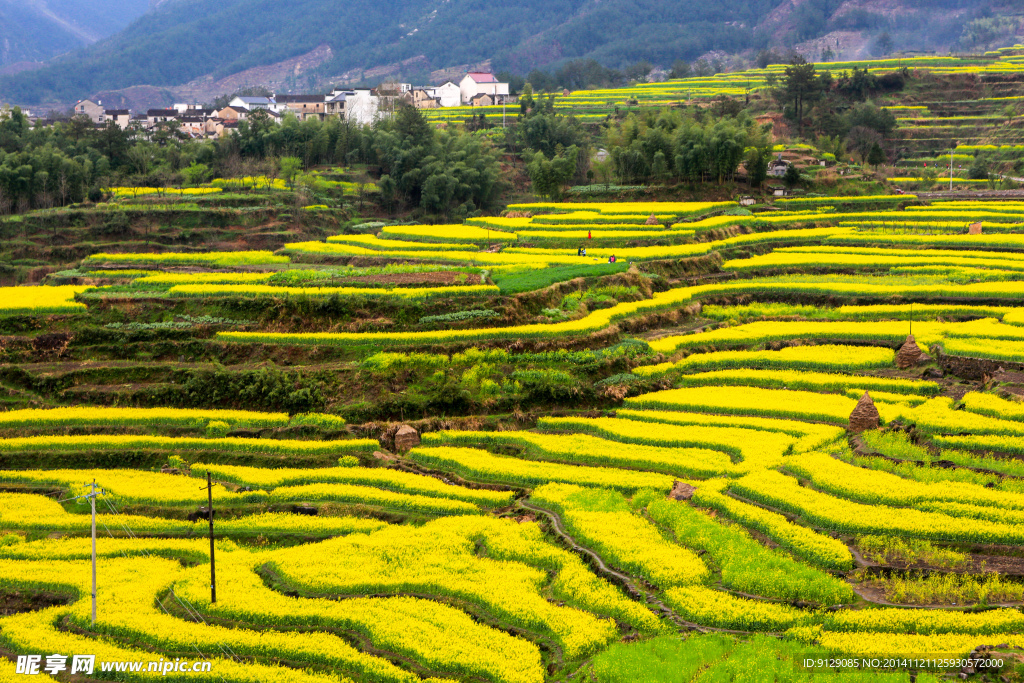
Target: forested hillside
<point>232,36</point>
<point>182,41</point>
<point>36,30</point>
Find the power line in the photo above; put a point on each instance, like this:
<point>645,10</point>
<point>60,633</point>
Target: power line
<point>91,497</point>
<point>193,613</point>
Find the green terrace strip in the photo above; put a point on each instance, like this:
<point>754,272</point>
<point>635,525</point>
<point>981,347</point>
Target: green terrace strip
<point>583,449</point>
<point>598,320</point>
<point>268,290</point>
<point>795,405</point>
<point>480,465</point>
<point>994,443</point>
<point>663,655</point>
<point>29,512</point>
<point>392,480</point>
<point>809,435</point>
<point>166,443</point>
<point>827,357</point>
<point>374,242</point>
<point>601,520</point>
<point>744,563</point>
<point>222,259</point>
<point>816,548</point>
<point>753,447</point>
<point>122,417</point>
<point>528,279</point>
<point>828,512</point>
<point>807,381</point>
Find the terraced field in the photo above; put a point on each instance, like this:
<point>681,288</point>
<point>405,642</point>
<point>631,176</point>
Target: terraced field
<point>971,104</point>
<point>723,441</point>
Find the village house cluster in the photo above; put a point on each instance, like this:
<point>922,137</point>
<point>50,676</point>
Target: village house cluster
<point>360,105</point>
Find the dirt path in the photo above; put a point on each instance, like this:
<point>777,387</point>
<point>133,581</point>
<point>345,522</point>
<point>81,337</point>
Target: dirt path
<point>632,586</point>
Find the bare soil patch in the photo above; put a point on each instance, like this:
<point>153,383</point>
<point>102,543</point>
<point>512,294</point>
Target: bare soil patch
<point>442,278</point>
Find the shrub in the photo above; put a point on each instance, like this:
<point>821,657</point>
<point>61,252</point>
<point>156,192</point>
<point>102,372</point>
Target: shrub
<point>217,429</point>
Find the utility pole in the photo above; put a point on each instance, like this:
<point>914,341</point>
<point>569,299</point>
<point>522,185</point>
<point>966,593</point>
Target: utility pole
<point>92,501</point>
<point>951,167</point>
<point>213,571</point>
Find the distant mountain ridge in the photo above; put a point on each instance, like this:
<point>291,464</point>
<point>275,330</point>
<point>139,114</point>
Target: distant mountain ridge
<point>189,46</point>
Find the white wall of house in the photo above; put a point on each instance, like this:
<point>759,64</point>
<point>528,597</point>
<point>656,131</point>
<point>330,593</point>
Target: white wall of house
<point>470,88</point>
<point>449,94</point>
<point>362,107</point>
<point>94,110</point>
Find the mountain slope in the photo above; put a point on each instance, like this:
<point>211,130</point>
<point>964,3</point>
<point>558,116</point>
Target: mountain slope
<point>187,41</point>
<point>36,30</point>
<point>184,39</point>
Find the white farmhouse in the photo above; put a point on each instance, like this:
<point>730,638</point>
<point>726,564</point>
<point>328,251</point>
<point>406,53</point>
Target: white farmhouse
<point>357,105</point>
<point>477,83</point>
<point>447,95</point>
<point>94,110</point>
